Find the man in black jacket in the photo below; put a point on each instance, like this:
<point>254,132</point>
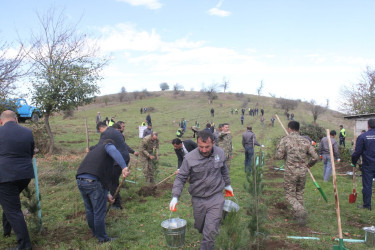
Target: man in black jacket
<point>16,171</point>
<point>118,140</point>
<point>182,148</point>
<point>94,177</point>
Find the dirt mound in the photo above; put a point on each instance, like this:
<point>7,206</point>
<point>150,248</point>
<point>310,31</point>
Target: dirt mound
<point>281,206</point>
<point>153,190</point>
<point>147,191</point>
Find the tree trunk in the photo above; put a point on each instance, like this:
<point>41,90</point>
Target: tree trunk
<point>49,132</point>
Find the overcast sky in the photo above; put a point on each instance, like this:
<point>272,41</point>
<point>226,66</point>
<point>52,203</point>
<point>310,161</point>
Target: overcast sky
<point>300,49</point>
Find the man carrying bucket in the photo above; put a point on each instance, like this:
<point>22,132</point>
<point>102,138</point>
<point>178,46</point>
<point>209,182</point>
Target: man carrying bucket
<point>208,176</point>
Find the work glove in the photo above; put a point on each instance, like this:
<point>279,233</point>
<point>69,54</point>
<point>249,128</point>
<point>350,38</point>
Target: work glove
<point>228,191</point>
<point>313,143</point>
<point>173,204</point>
<point>353,165</point>
<point>338,160</point>
<point>262,146</point>
<point>321,157</point>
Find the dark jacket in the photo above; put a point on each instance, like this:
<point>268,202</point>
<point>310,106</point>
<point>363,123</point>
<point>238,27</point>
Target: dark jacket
<point>148,119</point>
<point>118,140</point>
<point>16,152</point>
<point>365,146</point>
<point>189,145</point>
<point>99,162</point>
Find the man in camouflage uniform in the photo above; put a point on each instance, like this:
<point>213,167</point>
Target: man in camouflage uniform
<point>146,153</point>
<point>295,149</point>
<point>225,142</point>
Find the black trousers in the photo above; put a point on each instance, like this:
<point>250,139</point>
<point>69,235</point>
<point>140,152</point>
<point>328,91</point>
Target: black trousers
<point>116,172</point>
<point>12,214</point>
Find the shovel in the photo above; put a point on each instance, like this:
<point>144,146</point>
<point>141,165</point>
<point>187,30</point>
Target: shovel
<point>118,189</point>
<point>151,189</point>
<point>317,186</point>
<point>312,177</point>
<point>353,196</point>
<point>337,201</point>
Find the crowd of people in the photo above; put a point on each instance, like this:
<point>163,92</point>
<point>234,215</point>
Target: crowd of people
<point>205,164</point>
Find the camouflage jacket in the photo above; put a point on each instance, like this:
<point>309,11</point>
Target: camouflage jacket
<point>295,149</point>
<point>147,146</point>
<point>224,141</point>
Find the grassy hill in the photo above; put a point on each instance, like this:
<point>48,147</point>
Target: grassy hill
<point>137,226</point>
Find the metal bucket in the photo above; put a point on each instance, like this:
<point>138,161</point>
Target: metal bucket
<point>230,206</point>
<point>370,236</point>
<point>350,174</point>
<point>174,231</point>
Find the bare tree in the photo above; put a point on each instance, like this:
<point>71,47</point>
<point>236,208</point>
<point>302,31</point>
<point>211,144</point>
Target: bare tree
<point>286,104</point>
<point>225,84</point>
<point>316,110</point>
<point>66,67</point>
<point>360,98</point>
<point>122,94</point>
<point>177,89</point>
<point>211,92</point>
<point>10,68</point>
<point>260,88</point>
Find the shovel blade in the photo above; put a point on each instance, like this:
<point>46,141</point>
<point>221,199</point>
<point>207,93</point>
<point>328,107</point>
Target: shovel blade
<point>352,197</point>
<point>323,194</point>
<point>321,191</point>
<point>341,246</point>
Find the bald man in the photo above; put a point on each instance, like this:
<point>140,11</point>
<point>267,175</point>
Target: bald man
<point>16,171</point>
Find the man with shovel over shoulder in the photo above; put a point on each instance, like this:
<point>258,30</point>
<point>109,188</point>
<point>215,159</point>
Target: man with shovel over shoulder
<point>208,176</point>
<point>295,149</point>
<point>365,147</point>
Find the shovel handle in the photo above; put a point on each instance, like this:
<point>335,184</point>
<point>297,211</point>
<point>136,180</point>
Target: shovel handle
<point>166,179</point>
<point>312,177</point>
<point>353,178</point>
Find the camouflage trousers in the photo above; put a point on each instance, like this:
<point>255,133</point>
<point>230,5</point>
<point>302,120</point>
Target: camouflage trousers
<point>148,169</point>
<point>294,187</point>
<point>228,161</point>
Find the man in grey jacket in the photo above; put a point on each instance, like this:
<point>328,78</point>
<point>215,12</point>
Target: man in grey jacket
<point>208,176</point>
<point>325,155</point>
<point>249,140</point>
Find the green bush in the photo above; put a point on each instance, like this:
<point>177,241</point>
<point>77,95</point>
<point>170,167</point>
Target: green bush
<point>315,132</point>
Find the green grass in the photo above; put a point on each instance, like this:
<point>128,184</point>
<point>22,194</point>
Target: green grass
<point>137,226</point>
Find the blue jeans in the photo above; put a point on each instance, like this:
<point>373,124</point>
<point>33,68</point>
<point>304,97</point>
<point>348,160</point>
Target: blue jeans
<point>95,199</point>
<point>327,170</point>
<point>249,152</point>
<point>368,173</point>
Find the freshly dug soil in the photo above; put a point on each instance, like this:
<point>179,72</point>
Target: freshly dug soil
<point>147,191</point>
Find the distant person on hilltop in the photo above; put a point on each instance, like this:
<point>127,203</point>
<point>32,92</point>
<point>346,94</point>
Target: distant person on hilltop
<point>182,125</point>
<point>148,118</point>
<point>97,120</point>
<point>106,121</point>
<point>111,122</point>
<point>141,110</point>
<point>212,112</point>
